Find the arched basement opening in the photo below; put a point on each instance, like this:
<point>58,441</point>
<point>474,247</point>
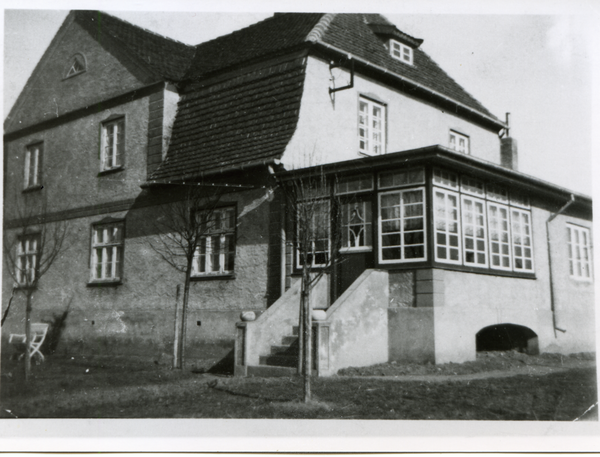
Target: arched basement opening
<point>507,337</point>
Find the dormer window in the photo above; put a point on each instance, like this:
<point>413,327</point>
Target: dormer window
<point>401,52</point>
<point>77,65</point>
<point>459,142</point>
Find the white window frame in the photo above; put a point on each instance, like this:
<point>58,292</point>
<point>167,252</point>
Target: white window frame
<point>500,243</point>
<point>368,143</point>
<point>203,264</point>
<point>27,259</point>
<point>32,169</point>
<point>580,252</point>
<point>401,52</point>
<point>112,151</point>
<point>106,263</point>
<point>402,178</point>
<point>514,246</point>
<point>437,219</point>
<point>326,205</point>
<point>447,179</point>
<point>454,139</point>
<point>401,231</point>
<point>483,226</point>
<point>366,226</point>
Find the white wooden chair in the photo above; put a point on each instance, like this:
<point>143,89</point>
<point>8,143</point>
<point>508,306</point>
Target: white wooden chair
<point>38,335</point>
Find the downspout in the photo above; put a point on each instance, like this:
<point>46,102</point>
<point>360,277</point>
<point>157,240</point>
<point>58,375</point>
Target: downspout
<point>550,219</point>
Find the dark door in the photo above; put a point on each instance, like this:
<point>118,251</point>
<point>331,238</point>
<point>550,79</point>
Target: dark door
<point>356,233</point>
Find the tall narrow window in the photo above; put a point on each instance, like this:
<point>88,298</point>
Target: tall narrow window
<point>371,127</point>
<point>33,161</point>
<point>447,229</point>
<point>113,144</point>
<point>313,222</point>
<point>474,232</point>
<point>216,253</point>
<point>499,228</point>
<point>356,225</point>
<point>580,258</point>
<point>402,226</point>
<point>107,252</point>
<point>521,240</point>
<point>27,259</point>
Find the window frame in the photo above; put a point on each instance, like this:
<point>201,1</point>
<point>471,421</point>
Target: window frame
<point>586,232</point>
<point>327,202</point>
<point>459,136</point>
<point>402,245</point>
<point>118,149</point>
<point>458,221</point>
<point>367,225</point>
<point>500,243</point>
<point>483,226</point>
<point>514,246</point>
<point>38,147</point>
<point>403,56</point>
<point>118,250</point>
<point>23,254</point>
<point>370,147</point>
<point>226,254</point>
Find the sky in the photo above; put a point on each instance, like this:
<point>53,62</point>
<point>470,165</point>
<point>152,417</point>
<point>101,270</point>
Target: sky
<point>528,58</point>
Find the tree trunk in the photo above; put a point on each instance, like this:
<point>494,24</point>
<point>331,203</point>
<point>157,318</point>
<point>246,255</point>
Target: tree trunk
<point>186,295</point>
<point>28,336</point>
<point>177,339</point>
<point>307,333</point>
<point>301,330</point>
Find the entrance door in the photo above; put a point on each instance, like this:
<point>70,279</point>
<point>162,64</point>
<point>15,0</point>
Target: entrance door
<point>356,252</point>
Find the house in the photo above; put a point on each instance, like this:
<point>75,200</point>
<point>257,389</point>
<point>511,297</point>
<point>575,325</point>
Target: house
<point>445,248</point>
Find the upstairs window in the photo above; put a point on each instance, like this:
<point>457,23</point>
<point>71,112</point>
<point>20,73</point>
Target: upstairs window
<point>401,52</point>
<point>33,161</point>
<point>27,259</point>
<point>459,142</point>
<point>216,253</point>
<point>113,144</point>
<point>77,65</point>
<point>371,127</point>
<point>107,252</point>
<point>580,262</point>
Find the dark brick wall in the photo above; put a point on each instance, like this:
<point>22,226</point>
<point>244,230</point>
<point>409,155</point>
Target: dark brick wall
<point>51,95</point>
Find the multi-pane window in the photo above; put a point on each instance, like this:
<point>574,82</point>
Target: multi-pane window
<point>371,127</point>
<point>446,226</point>
<point>398,178</point>
<point>499,228</point>
<point>522,249</point>
<point>27,259</point>
<point>33,160</point>
<point>216,253</point>
<point>474,232</point>
<point>402,226</point>
<point>458,142</point>
<point>580,259</point>
<point>113,144</point>
<point>107,252</point>
<point>401,52</point>
<point>356,225</point>
<point>445,178</point>
<point>354,184</point>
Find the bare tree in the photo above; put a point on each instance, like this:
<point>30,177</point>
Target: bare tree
<point>183,227</point>
<point>314,210</point>
<point>29,252</point>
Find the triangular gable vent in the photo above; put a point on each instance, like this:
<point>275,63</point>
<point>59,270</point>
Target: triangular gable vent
<point>77,66</point>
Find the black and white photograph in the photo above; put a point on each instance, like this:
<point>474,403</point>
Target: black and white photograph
<point>375,221</point>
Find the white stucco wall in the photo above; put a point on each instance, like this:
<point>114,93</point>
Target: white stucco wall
<point>328,129</point>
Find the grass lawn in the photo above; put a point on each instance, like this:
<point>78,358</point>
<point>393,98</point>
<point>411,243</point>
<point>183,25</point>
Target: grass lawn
<point>76,389</point>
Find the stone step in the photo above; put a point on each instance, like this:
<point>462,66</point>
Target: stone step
<point>265,371</point>
<point>285,349</point>
<point>279,360</point>
<point>289,340</point>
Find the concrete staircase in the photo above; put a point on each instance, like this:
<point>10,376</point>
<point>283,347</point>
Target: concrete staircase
<point>282,360</point>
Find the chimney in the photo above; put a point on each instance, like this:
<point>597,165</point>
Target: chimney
<point>509,156</point>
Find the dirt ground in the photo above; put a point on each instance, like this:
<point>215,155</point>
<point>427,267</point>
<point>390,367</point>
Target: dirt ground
<point>549,388</point>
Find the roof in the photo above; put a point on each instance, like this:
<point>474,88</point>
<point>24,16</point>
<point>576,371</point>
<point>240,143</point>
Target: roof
<point>247,119</point>
<point>277,33</point>
<point>252,116</point>
<point>166,57</point>
<point>352,33</point>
